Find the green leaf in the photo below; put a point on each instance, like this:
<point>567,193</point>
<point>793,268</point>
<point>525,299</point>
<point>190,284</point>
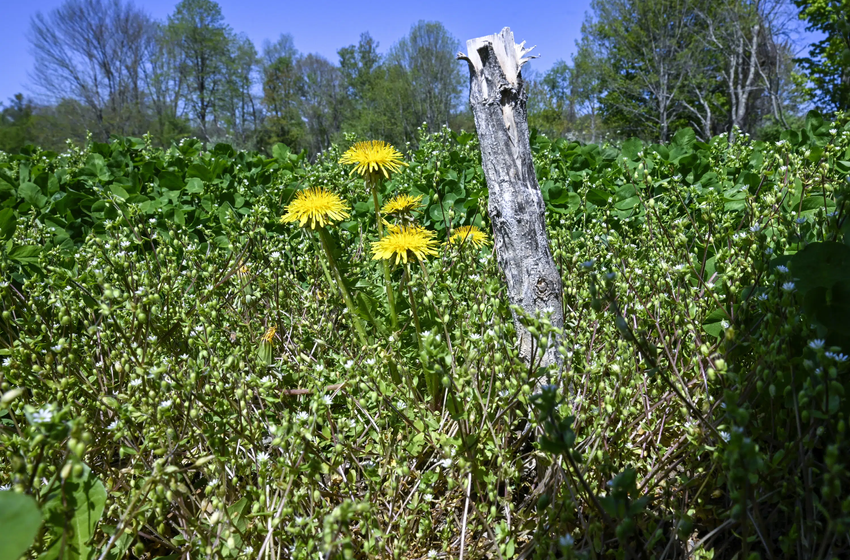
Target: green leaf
<point>32,194</point>
<point>820,265</point>
<point>280,152</point>
<point>71,515</point>
<point>199,171</point>
<point>20,521</point>
<point>631,148</point>
<point>713,324</point>
<point>119,191</point>
<point>170,180</point>
<point>25,254</point>
<point>598,197</point>
<point>195,186</point>
<point>8,223</point>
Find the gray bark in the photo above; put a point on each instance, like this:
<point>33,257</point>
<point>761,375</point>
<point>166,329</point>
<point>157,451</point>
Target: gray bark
<point>517,213</point>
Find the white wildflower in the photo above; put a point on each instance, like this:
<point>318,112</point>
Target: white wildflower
<point>836,356</point>
<point>43,415</point>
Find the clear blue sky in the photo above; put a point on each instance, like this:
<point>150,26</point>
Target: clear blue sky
<point>322,26</point>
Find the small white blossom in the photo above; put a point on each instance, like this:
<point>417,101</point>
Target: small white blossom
<point>566,540</point>
<point>301,416</point>
<point>836,356</point>
<point>43,416</point>
<point>262,456</point>
<point>788,286</point>
<point>135,382</point>
<point>782,269</point>
<point>328,400</point>
<point>113,425</point>
<point>166,403</point>
<point>816,344</point>
<point>401,405</point>
<point>755,228</point>
<point>725,436</point>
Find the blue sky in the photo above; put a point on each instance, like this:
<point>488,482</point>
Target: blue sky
<point>322,26</point>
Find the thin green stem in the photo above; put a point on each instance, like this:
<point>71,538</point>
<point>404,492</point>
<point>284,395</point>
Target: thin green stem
<point>373,183</point>
<point>358,324</point>
<point>328,276</point>
<point>413,308</point>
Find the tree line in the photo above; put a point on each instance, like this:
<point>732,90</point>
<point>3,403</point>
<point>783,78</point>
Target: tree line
<point>107,68</point>
<point>642,68</point>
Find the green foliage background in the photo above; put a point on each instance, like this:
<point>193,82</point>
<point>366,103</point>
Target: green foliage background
<point>701,405</point>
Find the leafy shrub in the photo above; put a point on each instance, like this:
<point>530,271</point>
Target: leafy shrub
<point>701,406</point>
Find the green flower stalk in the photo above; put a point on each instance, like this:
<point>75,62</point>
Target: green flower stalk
<point>374,161</point>
<point>314,209</point>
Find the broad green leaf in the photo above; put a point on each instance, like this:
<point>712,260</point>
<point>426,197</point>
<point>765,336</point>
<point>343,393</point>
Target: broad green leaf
<point>281,152</point>
<point>20,521</point>
<point>119,191</point>
<point>195,186</point>
<point>32,194</point>
<point>71,515</point>
<point>8,223</point>
<point>170,180</point>
<point>714,323</point>
<point>199,171</point>
<point>821,265</point>
<point>25,254</point>
<point>631,148</point>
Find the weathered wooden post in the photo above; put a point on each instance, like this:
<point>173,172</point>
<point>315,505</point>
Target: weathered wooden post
<point>517,213</point>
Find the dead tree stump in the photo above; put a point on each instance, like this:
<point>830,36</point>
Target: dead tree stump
<point>517,212</point>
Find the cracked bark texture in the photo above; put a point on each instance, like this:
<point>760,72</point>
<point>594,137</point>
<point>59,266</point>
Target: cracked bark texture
<point>498,98</point>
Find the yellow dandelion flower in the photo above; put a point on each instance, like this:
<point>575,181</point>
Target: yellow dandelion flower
<point>403,242</point>
<point>269,335</point>
<point>469,234</point>
<point>370,157</point>
<point>402,204</point>
<point>317,206</point>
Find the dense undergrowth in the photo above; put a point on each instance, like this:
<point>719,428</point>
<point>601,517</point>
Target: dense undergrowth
<point>181,379</point>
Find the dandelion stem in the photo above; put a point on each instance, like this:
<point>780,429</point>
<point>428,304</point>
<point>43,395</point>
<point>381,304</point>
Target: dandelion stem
<point>358,324</point>
<point>413,308</point>
<point>373,183</point>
